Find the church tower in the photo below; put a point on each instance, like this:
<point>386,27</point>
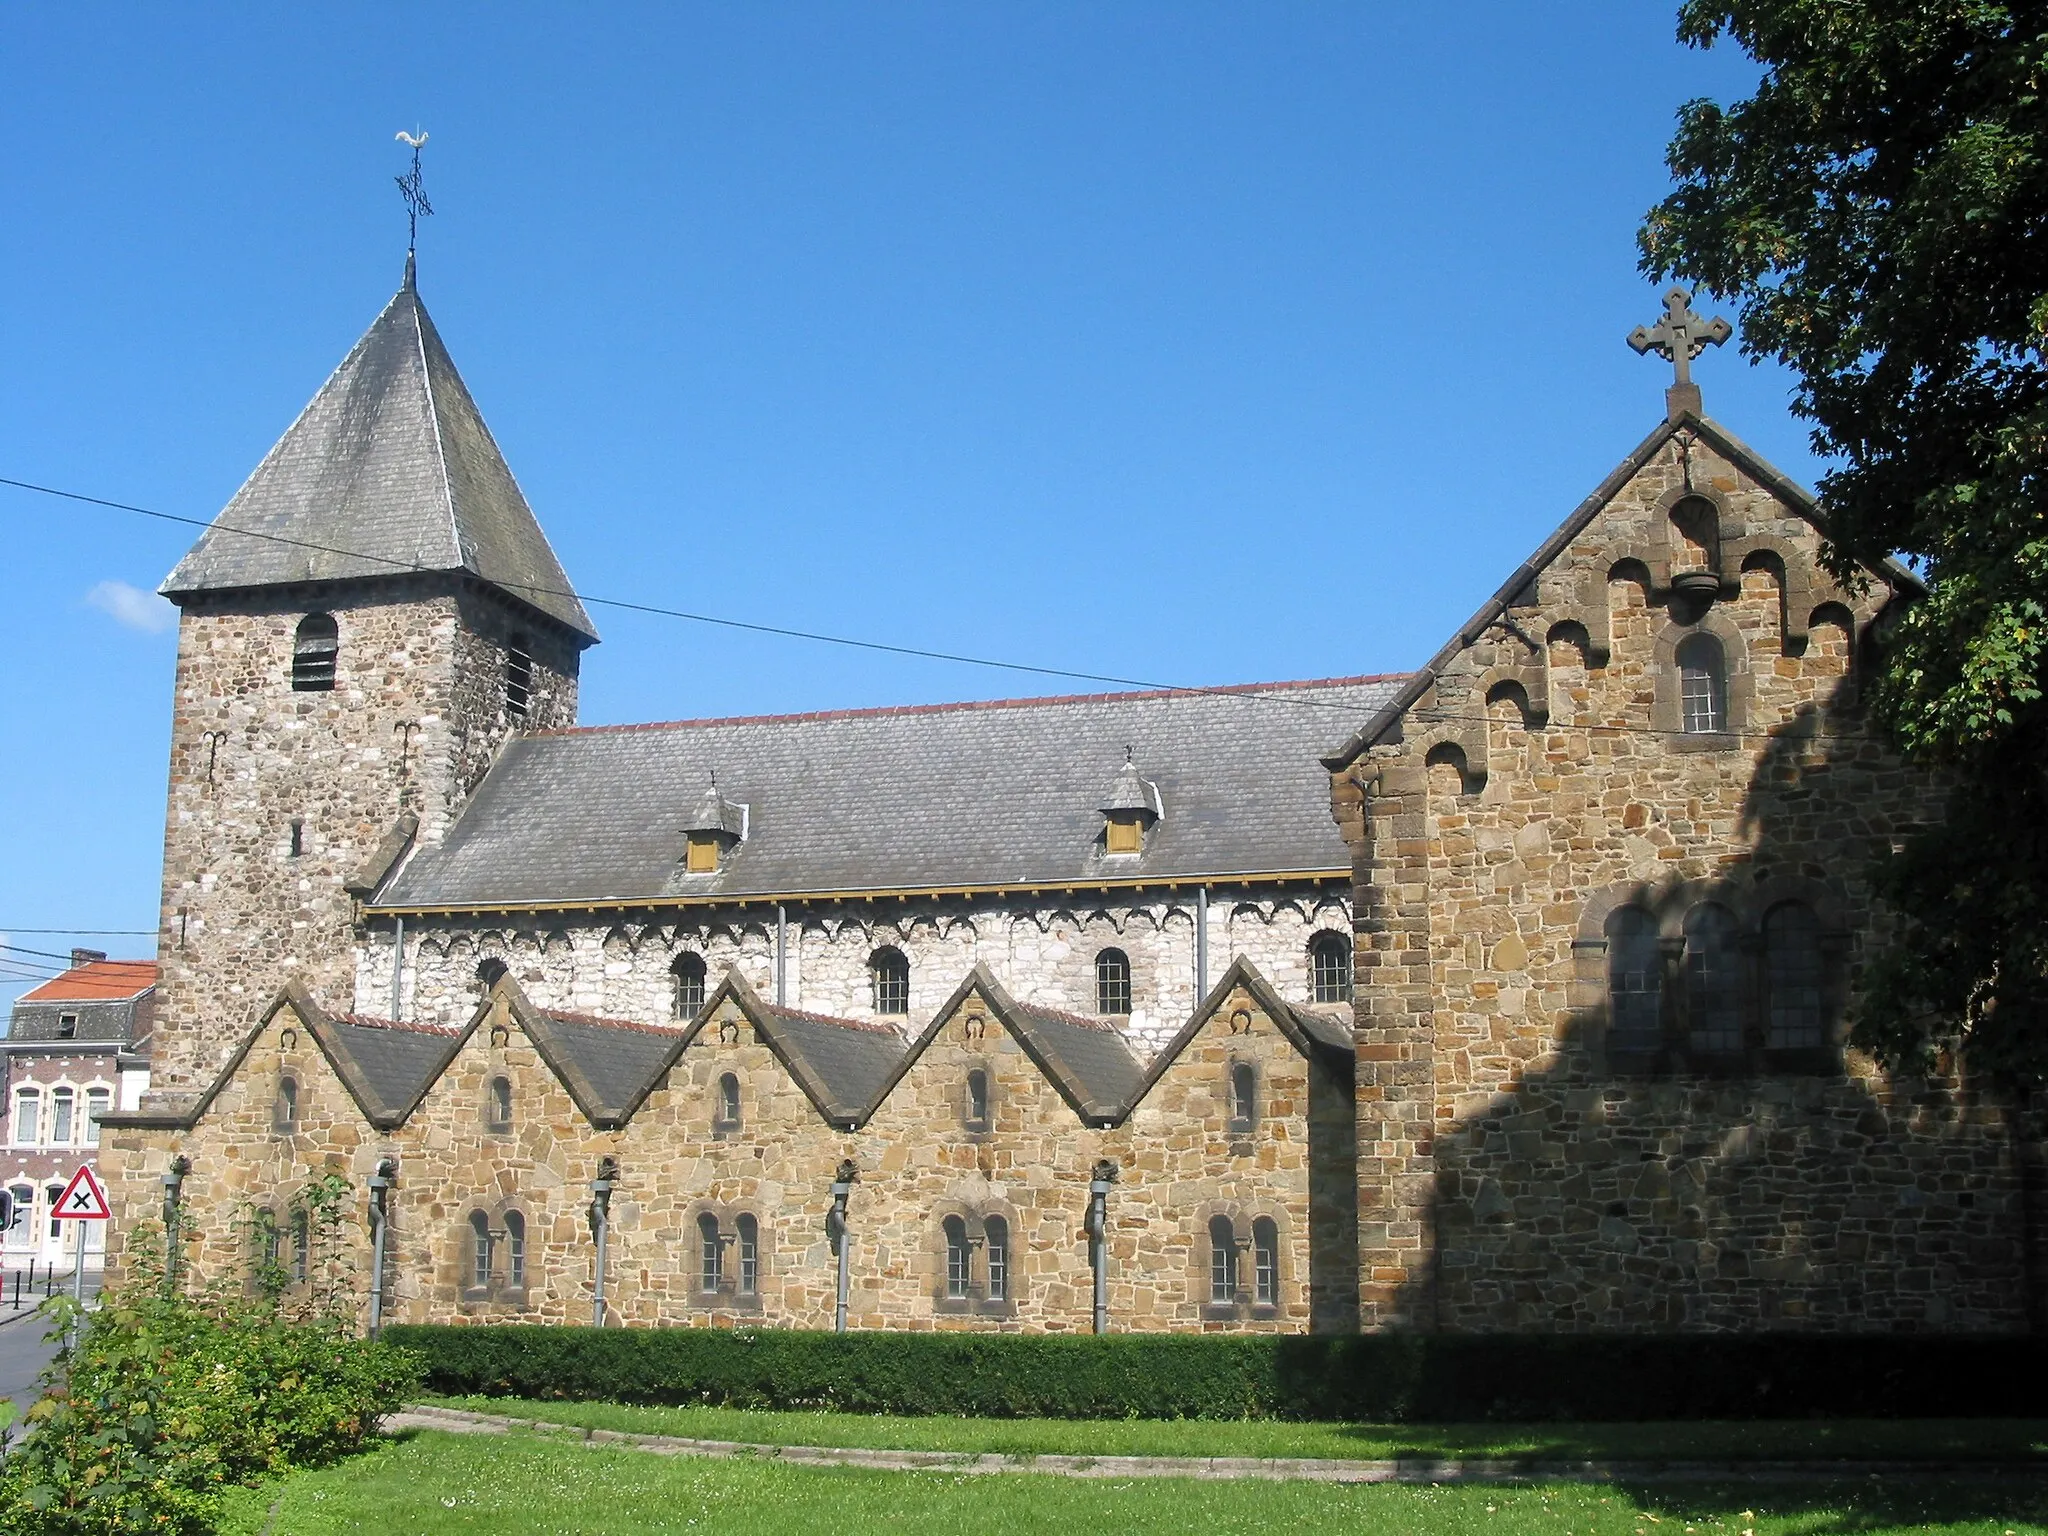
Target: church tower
<point>368,619</point>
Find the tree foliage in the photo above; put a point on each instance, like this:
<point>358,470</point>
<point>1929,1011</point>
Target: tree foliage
<point>1879,208</point>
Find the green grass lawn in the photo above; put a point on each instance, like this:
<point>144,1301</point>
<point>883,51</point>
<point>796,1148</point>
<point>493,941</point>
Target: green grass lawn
<point>1854,1439</point>
<point>527,1485</point>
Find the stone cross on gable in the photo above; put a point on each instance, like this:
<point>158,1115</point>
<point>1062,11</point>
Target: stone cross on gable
<point>1679,336</point>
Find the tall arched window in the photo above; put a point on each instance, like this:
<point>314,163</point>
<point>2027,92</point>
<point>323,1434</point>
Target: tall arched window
<point>314,649</point>
<point>689,974</point>
<point>891,975</point>
<point>710,1254</point>
<point>515,1250</point>
<point>1265,1262</point>
<point>1329,961</point>
<point>28,1114</point>
<point>1244,1097</point>
<point>959,1259</point>
<point>498,1104</point>
<point>1792,978</point>
<point>977,1099</point>
<point>1702,685</point>
<point>1222,1261</point>
<point>479,1251</point>
<point>1113,983</point>
<point>62,1102</point>
<point>96,1102</point>
<point>1635,982</point>
<point>749,1245</point>
<point>287,1104</point>
<point>1713,983</point>
<point>302,1246</point>
<point>727,1112</point>
<point>995,1234</point>
<point>518,676</point>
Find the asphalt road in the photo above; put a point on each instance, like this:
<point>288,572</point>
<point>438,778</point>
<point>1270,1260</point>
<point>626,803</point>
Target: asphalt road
<point>23,1354</point>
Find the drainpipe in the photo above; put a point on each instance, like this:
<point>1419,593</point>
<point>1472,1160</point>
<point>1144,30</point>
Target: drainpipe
<point>600,1228</point>
<point>1201,943</point>
<point>1098,1238</point>
<point>781,957</point>
<point>397,966</point>
<point>835,1228</point>
<point>380,1225</point>
<point>174,1179</point>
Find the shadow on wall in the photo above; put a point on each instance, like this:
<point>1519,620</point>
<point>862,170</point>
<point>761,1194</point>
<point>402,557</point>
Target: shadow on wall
<point>1694,1150</point>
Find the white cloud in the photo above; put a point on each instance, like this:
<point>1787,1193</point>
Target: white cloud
<point>133,607</point>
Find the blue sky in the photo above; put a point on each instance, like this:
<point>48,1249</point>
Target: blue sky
<point>1195,343</point>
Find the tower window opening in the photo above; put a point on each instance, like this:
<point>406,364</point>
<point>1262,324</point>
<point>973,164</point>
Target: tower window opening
<point>298,837</point>
<point>314,651</point>
<point>1330,967</point>
<point>518,676</point>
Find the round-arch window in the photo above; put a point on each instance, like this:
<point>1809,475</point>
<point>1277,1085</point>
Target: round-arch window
<point>1113,982</point>
<point>314,650</point>
<point>690,975</point>
<point>1329,956</point>
<point>1702,685</point>
<point>891,974</point>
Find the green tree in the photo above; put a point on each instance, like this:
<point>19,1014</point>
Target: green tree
<point>1879,209</point>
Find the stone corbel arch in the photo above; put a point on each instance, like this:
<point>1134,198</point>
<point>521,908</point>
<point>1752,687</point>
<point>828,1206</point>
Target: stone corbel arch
<point>1728,530</point>
<point>1794,572</point>
<point>1529,695</point>
<point>1455,748</point>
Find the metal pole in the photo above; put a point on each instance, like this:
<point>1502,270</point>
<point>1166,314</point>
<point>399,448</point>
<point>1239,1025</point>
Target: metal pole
<point>380,1193</point>
<point>835,1225</point>
<point>1098,1237</point>
<point>781,957</point>
<point>397,966</point>
<point>1201,944</point>
<point>600,1229</point>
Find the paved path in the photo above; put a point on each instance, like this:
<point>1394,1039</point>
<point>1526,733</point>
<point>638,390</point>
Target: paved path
<point>1407,1469</point>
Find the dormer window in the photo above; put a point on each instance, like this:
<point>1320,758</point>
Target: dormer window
<point>714,829</point>
<point>67,1026</point>
<point>1130,811</point>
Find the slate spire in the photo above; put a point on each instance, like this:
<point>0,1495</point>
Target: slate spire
<point>390,469</point>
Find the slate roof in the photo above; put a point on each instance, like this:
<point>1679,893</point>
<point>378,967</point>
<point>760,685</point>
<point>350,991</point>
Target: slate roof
<point>389,469</point>
<point>387,1065</point>
<point>934,797</point>
<point>612,1063</point>
<point>842,1065</point>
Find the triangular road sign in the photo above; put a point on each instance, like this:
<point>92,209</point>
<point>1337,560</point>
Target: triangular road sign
<point>82,1200</point>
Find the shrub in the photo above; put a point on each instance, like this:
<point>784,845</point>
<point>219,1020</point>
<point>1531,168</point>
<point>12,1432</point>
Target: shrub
<point>1386,1377</point>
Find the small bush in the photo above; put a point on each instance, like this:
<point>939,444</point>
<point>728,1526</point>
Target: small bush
<point>1383,1378</point>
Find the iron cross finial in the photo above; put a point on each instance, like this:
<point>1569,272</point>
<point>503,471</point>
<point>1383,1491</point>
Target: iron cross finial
<point>409,187</point>
<point>1679,336</point>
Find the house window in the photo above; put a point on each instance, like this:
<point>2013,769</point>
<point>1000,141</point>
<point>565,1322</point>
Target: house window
<point>1792,978</point>
<point>996,1236</point>
<point>479,1251</point>
<point>518,676</point>
<point>710,1254</point>
<point>302,1246</point>
<point>689,973</point>
<point>977,1100</point>
<point>1329,963</point>
<point>728,1112</point>
<point>1702,685</point>
<point>1244,1097</point>
<point>498,1105</point>
<point>28,1108</point>
<point>891,973</point>
<point>749,1245</point>
<point>1125,833</point>
<point>287,1104</point>
<point>959,1260</point>
<point>60,1117</point>
<point>67,1026</point>
<point>1222,1261</point>
<point>1265,1262</point>
<point>314,650</point>
<point>1712,981</point>
<point>53,1194</point>
<point>96,1101</point>
<point>21,1202</point>
<point>701,856</point>
<point>515,1250</point>
<point>1635,982</point>
<point>1113,983</point>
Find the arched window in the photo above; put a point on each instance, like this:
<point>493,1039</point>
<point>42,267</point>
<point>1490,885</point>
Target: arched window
<point>1713,991</point>
<point>515,1250</point>
<point>479,1251</point>
<point>977,1099</point>
<point>1244,1097</point>
<point>518,676</point>
<point>891,973</point>
<point>689,974</point>
<point>21,1203</point>
<point>62,1101</point>
<point>302,1246</point>
<point>287,1104</point>
<point>1792,978</point>
<point>498,1104</point>
<point>1635,982</point>
<point>710,1254</point>
<point>1265,1262</point>
<point>28,1114</point>
<point>1329,960</point>
<point>1702,685</point>
<point>959,1259</point>
<point>996,1239</point>
<point>314,649</point>
<point>490,972</point>
<point>749,1231</point>
<point>728,1111</point>
<point>269,1235</point>
<point>96,1102</point>
<point>1113,983</point>
<point>1222,1261</point>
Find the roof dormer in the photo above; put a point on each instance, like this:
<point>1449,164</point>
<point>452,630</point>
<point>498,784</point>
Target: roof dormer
<point>714,829</point>
<point>1131,810</point>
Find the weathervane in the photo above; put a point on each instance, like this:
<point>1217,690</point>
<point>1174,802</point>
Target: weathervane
<point>1679,336</point>
<point>409,188</point>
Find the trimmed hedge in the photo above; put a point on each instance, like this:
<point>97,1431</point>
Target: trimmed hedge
<point>1380,1378</point>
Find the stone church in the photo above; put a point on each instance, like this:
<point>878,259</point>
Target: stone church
<point>1506,994</point>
